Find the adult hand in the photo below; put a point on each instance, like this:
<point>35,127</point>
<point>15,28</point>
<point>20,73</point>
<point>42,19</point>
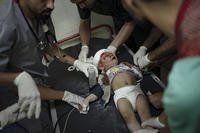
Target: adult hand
<point>76,101</point>
<point>139,54</point>
<point>143,61</point>
<point>29,96</point>
<point>100,79</point>
<point>137,72</point>
<point>85,107</point>
<point>10,115</point>
<point>147,131</point>
<point>156,99</point>
<point>112,49</point>
<point>83,66</point>
<point>83,53</point>
<point>153,122</point>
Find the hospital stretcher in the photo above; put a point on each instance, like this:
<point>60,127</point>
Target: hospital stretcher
<point>100,118</point>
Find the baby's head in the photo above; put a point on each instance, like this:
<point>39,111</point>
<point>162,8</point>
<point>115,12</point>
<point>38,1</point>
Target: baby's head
<point>104,59</point>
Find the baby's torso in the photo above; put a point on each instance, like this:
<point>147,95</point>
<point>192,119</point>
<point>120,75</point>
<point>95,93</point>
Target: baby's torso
<point>122,75</point>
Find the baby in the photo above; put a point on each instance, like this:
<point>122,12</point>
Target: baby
<point>128,97</point>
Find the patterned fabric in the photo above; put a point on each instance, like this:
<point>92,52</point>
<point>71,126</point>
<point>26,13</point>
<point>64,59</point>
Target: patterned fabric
<point>188,29</point>
<point>122,67</point>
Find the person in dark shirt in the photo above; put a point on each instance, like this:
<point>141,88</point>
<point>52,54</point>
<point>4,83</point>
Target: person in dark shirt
<point>26,35</point>
<point>123,22</point>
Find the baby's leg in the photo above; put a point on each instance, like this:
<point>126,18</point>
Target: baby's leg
<point>127,112</point>
<point>143,108</point>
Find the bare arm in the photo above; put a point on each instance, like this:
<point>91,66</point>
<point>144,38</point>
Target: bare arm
<point>165,49</point>
<point>55,51</point>
<point>162,13</point>
<point>123,34</point>
<point>7,78</point>
<point>91,98</point>
<point>84,30</point>
<point>47,93</point>
<point>152,38</point>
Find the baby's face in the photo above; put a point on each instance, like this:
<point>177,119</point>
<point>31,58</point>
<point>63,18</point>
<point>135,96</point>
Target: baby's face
<point>108,59</point>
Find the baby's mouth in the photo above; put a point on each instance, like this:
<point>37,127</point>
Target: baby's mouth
<point>113,58</point>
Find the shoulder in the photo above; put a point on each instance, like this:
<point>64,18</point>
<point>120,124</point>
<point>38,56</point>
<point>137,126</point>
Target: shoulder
<point>121,12</point>
<point>6,8</point>
<point>84,13</point>
<point>7,20</point>
<point>7,15</point>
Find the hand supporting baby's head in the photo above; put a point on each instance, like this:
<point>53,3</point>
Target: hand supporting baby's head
<point>104,59</point>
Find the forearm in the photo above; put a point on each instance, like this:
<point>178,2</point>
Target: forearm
<point>47,93</point>
<point>7,78</point>
<point>163,118</point>
<point>91,97</point>
<point>154,35</point>
<point>161,13</point>
<point>123,34</point>
<point>67,59</point>
<point>167,48</point>
<point>84,30</point>
<point>55,51</point>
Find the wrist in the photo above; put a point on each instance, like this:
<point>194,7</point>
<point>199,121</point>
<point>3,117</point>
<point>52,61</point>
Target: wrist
<point>160,123</point>
<point>91,97</point>
<point>147,58</point>
<point>19,76</point>
<point>112,48</point>
<point>85,49</point>
<point>12,77</point>
<point>84,46</point>
<point>151,57</point>
<point>60,57</point>
<point>143,48</point>
<point>64,98</point>
<point>76,63</point>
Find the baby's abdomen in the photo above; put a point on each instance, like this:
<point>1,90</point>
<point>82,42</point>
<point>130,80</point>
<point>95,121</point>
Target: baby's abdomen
<point>123,79</point>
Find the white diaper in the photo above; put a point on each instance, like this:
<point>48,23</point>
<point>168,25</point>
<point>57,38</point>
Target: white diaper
<point>130,93</point>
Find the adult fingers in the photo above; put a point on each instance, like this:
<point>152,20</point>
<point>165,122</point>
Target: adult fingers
<point>38,108</point>
<point>31,109</point>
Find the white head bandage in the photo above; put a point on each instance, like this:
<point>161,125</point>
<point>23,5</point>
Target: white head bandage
<point>97,56</point>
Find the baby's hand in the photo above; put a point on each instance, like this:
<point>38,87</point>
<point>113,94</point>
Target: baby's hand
<point>156,99</point>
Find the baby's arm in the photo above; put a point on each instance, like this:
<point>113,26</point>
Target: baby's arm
<point>95,93</point>
<point>91,98</point>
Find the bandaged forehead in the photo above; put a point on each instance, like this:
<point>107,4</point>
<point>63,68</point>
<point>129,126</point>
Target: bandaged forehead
<point>98,55</point>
